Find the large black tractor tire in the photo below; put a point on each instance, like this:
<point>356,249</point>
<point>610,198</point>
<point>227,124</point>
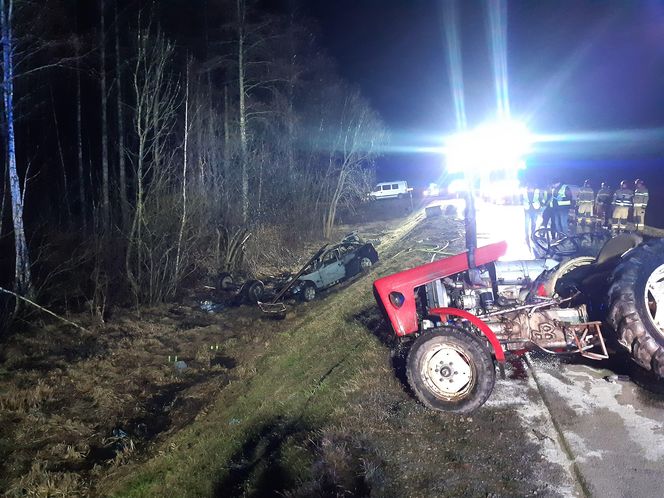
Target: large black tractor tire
<point>450,370</point>
<point>633,312</point>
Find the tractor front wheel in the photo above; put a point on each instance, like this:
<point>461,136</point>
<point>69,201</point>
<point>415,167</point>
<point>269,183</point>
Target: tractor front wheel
<point>450,370</point>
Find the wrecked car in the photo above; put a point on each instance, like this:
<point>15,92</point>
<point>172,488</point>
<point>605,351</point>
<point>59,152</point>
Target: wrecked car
<point>330,265</point>
<point>334,265</point>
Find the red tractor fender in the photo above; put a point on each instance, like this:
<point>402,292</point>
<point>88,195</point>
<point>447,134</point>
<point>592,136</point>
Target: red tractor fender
<point>443,313</point>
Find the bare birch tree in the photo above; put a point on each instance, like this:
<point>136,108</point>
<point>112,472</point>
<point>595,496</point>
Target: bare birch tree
<point>22,277</point>
<point>358,134</point>
<point>149,255</point>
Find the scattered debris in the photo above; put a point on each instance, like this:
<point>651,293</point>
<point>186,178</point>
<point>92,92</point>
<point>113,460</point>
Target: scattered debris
<point>212,307</point>
<point>617,378</point>
<point>180,365</point>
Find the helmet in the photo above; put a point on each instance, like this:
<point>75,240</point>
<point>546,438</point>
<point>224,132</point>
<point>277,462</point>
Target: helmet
<point>586,183</point>
<point>624,184</point>
<point>638,182</point>
<point>604,185</point>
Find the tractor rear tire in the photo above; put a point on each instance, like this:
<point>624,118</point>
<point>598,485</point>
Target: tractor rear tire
<point>450,370</point>
<point>634,296</point>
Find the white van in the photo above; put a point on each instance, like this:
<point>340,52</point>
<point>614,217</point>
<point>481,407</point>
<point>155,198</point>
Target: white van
<point>387,190</point>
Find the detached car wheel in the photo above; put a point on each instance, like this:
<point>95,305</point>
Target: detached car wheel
<point>309,292</point>
<point>253,291</point>
<point>636,305</point>
<point>224,280</point>
<point>450,370</point>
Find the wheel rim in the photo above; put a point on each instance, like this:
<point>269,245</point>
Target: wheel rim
<point>365,263</point>
<point>654,297</point>
<point>447,372</point>
<point>309,293</point>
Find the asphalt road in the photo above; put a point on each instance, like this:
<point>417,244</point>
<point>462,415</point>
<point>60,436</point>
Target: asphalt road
<point>603,423</point>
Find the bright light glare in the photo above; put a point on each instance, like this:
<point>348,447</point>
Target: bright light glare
<point>491,147</point>
<point>501,191</point>
<point>432,191</point>
<point>457,186</point>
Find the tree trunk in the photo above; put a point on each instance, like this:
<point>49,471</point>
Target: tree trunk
<point>183,220</point>
<point>105,206</point>
<point>23,281</point>
<point>243,111</point>
<point>227,154</point>
<point>79,145</point>
<point>5,191</point>
<point>65,180</point>
<point>122,176</point>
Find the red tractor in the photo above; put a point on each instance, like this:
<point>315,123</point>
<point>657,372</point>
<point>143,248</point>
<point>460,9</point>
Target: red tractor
<point>467,311</point>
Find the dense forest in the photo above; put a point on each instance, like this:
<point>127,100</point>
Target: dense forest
<point>148,144</point>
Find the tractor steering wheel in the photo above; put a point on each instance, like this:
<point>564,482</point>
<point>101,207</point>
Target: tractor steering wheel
<point>553,243</point>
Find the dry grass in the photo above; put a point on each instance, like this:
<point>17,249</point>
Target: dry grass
<point>39,482</point>
<point>311,407</point>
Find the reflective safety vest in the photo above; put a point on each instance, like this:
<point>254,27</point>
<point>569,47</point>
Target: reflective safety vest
<point>560,198</point>
<point>586,195</point>
<point>641,197</point>
<point>603,196</point>
<point>623,197</point>
<point>531,199</point>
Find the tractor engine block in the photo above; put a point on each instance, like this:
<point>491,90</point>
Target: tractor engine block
<point>550,328</point>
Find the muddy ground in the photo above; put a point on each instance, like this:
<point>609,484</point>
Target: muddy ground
<point>176,401</point>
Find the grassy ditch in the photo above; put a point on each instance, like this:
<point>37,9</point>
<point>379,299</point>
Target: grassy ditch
<point>312,405</point>
<point>324,412</point>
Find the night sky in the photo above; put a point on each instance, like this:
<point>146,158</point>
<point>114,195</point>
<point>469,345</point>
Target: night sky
<point>574,66</point>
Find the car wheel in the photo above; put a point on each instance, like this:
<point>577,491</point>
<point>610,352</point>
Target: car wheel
<point>450,370</point>
<point>309,292</point>
<point>365,263</point>
<point>224,281</point>
<point>252,291</point>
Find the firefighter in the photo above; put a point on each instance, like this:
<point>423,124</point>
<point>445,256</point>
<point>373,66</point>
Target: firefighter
<point>546,205</point>
<point>560,203</point>
<point>584,204</point>
<point>531,199</point>
<point>602,203</point>
<point>640,203</point>
<point>622,202</point>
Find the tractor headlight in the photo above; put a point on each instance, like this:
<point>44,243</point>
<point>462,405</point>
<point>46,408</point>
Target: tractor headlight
<point>397,299</point>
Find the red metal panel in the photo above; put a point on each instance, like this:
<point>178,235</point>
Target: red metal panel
<point>404,319</point>
<point>491,337</point>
